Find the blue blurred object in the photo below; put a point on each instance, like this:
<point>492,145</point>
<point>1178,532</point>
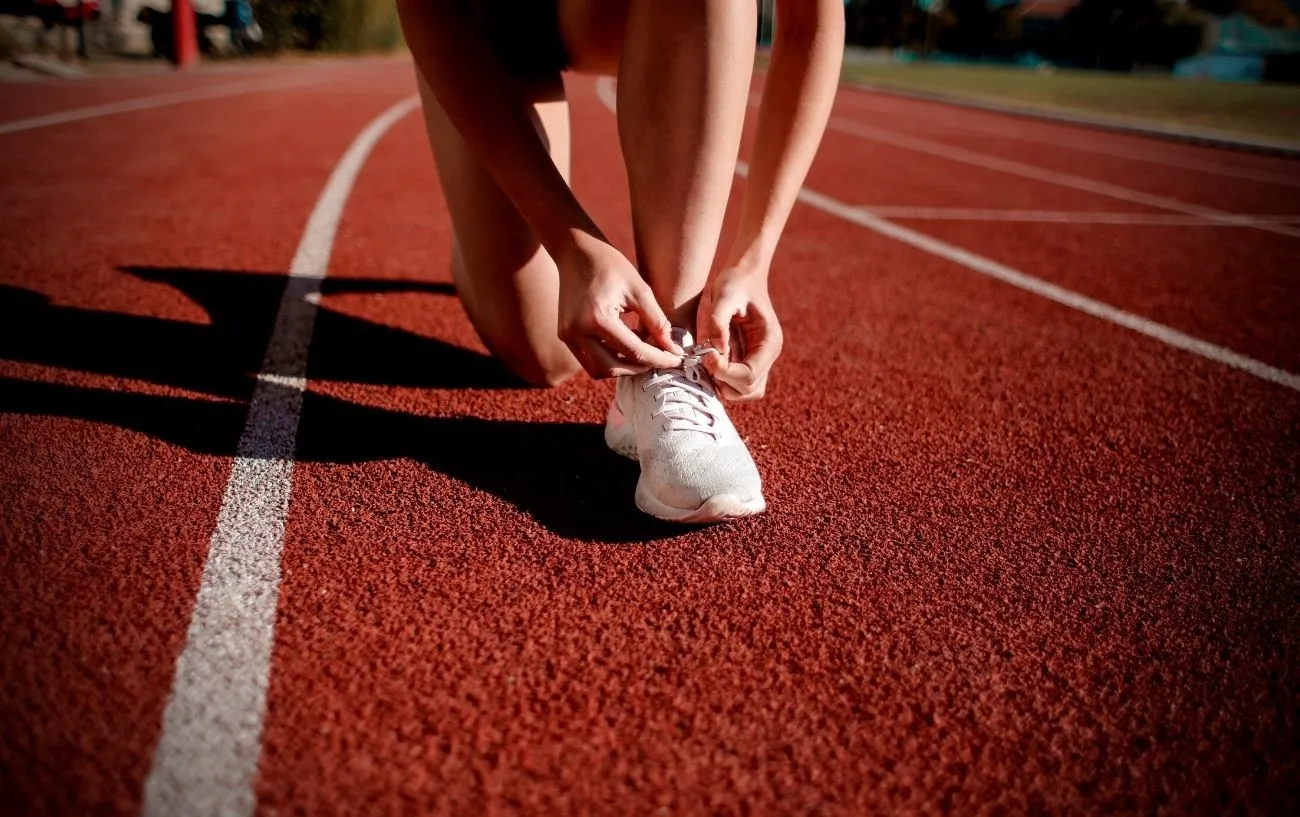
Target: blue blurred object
<point>1239,51</point>
<point>1224,67</point>
<point>240,13</point>
<point>1239,34</point>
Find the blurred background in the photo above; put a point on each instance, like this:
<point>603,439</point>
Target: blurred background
<point>89,30</point>
<point>1223,39</point>
<point>1115,58</point>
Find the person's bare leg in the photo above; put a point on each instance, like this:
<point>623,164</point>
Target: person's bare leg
<point>683,85</point>
<point>507,283</point>
<point>683,69</point>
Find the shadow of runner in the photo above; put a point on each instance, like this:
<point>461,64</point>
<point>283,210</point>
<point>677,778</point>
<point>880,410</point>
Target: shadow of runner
<point>559,473</point>
<point>218,358</point>
<point>223,356</point>
<point>202,426</point>
<point>344,348</point>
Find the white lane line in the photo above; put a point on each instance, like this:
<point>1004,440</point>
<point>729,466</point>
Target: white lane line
<point>1050,291</point>
<point>145,103</point>
<point>1029,283</point>
<point>207,756</point>
<point>1009,166</point>
<point>1062,216</point>
<point>1059,139</point>
<point>607,91</point>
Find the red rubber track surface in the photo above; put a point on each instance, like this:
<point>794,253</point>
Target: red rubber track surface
<point>1016,558</point>
<point>1039,144</point>
<point>23,100</point>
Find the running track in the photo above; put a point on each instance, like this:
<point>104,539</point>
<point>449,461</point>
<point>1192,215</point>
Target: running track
<point>1032,457</point>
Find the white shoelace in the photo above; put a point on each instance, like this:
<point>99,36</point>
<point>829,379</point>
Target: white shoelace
<point>686,397</point>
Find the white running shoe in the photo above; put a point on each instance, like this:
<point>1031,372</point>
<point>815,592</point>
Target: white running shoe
<point>694,466</point>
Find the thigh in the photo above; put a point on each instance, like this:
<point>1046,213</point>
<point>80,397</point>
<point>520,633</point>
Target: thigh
<point>508,284</point>
<point>592,34</point>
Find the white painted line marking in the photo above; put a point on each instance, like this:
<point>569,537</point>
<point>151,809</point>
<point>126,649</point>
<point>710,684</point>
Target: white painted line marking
<point>607,91</point>
<point>145,103</point>
<point>1029,283</point>
<point>961,121</point>
<point>1038,286</point>
<point>984,160</point>
<point>1062,216</point>
<point>207,757</point>
<point>286,382</point>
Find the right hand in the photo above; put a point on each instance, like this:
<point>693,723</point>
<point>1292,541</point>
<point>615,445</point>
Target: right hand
<point>597,286</point>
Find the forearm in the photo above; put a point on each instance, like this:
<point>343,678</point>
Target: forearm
<point>797,97</point>
<point>489,110</point>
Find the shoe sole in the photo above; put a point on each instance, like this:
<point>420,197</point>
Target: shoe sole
<point>718,508</point>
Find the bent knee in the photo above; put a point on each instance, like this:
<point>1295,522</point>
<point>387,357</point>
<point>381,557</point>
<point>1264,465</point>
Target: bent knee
<point>548,377</point>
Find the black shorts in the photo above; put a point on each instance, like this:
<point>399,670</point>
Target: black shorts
<point>525,34</point>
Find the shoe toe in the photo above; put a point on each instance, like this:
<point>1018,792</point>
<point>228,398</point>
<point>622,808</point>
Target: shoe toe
<point>688,479</point>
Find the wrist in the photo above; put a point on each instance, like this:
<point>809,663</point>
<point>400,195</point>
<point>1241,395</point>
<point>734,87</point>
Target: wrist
<point>750,260</point>
<point>749,267</point>
<point>571,244</point>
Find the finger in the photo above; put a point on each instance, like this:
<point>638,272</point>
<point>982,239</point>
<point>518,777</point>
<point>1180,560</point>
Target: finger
<point>759,345</point>
<point>731,394</point>
<point>738,375</point>
<point>635,352</point>
<point>727,392</point>
<point>764,353</point>
<point>600,363</point>
<point>609,364</point>
<point>715,326</point>
<point>745,376</point>
<point>714,363</point>
<point>655,322</point>
<point>757,392</point>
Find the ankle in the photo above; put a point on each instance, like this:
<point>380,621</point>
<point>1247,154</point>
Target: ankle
<point>683,314</point>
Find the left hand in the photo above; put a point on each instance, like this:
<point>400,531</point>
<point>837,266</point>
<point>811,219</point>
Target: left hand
<point>736,315</point>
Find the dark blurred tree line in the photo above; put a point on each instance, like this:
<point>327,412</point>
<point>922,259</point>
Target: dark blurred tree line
<point>1107,34</point>
<point>329,25</point>
<point>1118,34</point>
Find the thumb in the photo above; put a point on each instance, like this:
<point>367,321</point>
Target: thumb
<point>714,324</point>
<point>738,375</point>
<point>655,322</point>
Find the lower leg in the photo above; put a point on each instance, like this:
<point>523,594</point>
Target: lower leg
<point>683,86</point>
<point>507,283</point>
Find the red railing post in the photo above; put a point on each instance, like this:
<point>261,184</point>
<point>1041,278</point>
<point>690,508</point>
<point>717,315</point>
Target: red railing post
<point>184,34</point>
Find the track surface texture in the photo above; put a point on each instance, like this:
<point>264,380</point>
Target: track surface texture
<point>1018,559</point>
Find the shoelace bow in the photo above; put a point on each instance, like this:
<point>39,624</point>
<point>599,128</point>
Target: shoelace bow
<point>686,397</point>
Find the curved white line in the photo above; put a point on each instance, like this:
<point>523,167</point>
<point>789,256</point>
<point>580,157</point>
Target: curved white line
<point>607,92</point>
<point>145,103</point>
<point>1089,144</point>
<point>1046,289</point>
<point>1038,286</point>
<point>211,742</point>
<point>1028,171</point>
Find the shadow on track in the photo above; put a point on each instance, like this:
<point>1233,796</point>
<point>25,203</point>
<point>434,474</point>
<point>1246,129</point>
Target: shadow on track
<point>559,473</point>
<point>223,356</point>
